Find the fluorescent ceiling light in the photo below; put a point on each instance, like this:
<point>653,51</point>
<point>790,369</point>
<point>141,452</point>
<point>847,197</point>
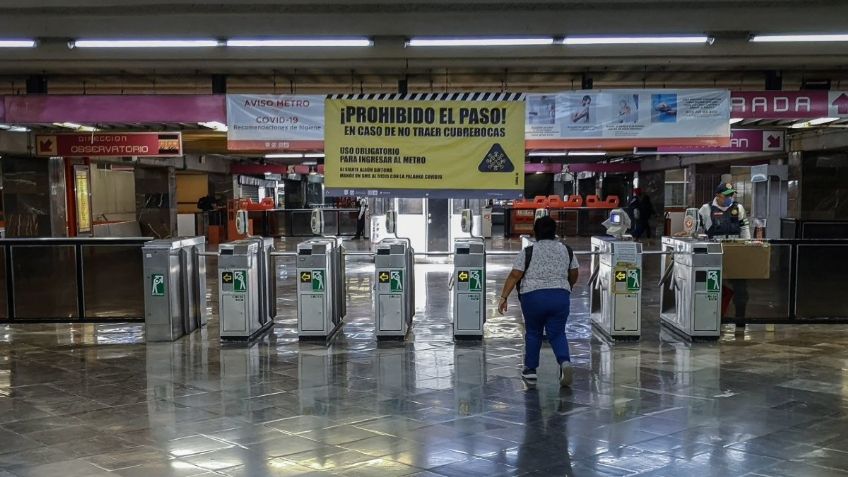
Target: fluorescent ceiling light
<point>315,155</point>
<point>547,153</point>
<point>797,38</point>
<point>812,122</point>
<point>144,43</point>
<point>310,163</point>
<point>587,153</point>
<point>76,127</point>
<point>17,43</point>
<point>217,126</point>
<point>301,42</point>
<point>636,40</point>
<point>285,155</point>
<point>10,128</point>
<point>735,120</point>
<point>481,41</point>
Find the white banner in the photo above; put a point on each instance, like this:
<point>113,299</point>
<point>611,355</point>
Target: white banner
<point>274,122</point>
<point>628,118</point>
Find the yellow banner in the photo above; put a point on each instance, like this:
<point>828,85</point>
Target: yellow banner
<point>410,147</point>
<point>83,205</point>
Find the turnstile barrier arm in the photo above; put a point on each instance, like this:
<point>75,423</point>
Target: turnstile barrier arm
<point>667,274</point>
<point>593,279</point>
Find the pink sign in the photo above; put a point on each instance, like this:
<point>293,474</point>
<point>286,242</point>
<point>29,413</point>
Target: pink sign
<point>741,141</point>
<point>531,167</point>
<point>788,104</point>
<point>99,144</point>
<point>141,109</point>
<point>599,167</point>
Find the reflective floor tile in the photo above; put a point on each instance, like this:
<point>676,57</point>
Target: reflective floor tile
<point>795,469</point>
<point>476,467</point>
<point>287,445</point>
<point>377,468</point>
<point>328,458</point>
<point>224,458</point>
<point>339,434</point>
<point>195,445</point>
<point>70,468</point>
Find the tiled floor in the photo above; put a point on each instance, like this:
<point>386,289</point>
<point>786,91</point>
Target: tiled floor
<point>94,400</point>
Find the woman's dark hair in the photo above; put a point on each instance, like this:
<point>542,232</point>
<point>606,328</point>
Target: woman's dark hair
<point>587,98</point>
<point>544,228</point>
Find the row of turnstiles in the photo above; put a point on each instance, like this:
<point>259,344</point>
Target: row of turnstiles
<point>691,287</point>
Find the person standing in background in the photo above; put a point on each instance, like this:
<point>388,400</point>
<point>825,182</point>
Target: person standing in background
<point>646,212</point>
<point>724,218</point>
<point>360,219</point>
<point>634,211</point>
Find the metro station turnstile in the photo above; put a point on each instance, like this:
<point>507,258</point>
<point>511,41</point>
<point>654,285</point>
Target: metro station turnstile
<point>615,298</point>
<point>469,287</point>
<point>247,294</point>
<point>690,287</point>
<point>175,287</point>
<point>394,289</point>
<point>321,287</point>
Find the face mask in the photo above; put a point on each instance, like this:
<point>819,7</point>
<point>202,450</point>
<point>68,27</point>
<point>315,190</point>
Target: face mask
<point>728,201</point>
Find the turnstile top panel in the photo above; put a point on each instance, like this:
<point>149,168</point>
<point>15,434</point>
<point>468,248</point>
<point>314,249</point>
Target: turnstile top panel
<point>601,243</point>
<point>479,240</point>
<point>163,244</point>
<point>239,247</point>
<point>191,241</point>
<point>467,247</point>
<point>313,242</point>
<point>692,246</point>
<point>392,247</point>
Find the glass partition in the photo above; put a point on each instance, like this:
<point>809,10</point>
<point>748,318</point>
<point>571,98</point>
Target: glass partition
<point>768,298</point>
<point>71,279</point>
<point>4,296</point>
<point>821,279</point>
<point>111,283</point>
<point>45,282</point>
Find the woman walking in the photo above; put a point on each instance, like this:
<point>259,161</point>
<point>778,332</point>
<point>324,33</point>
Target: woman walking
<point>544,274</point>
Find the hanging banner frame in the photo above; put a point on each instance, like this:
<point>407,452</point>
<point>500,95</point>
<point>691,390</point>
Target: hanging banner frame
<point>626,118</point>
<point>425,145</point>
<point>275,122</point>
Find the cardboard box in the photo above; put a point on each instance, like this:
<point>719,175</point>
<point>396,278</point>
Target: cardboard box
<point>750,261</point>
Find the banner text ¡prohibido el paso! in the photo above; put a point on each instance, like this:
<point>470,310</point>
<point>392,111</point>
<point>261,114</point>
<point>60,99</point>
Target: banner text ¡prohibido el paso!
<point>425,147</point>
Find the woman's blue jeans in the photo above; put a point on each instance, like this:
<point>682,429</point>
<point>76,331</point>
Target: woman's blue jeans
<point>545,311</point>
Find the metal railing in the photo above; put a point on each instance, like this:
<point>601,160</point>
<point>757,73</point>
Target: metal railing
<point>71,279</point>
